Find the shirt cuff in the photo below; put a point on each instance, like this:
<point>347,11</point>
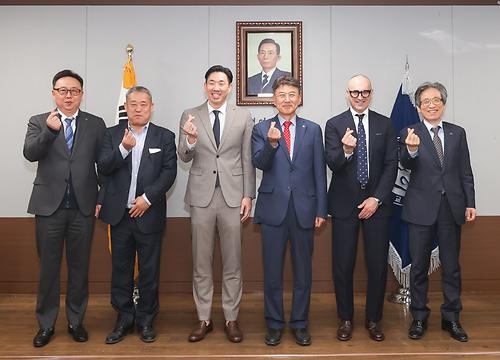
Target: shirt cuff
<point>413,154</point>
<point>146,199</point>
<point>190,146</point>
<point>123,151</point>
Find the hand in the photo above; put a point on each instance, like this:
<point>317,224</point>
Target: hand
<point>318,222</point>
<point>97,210</point>
<point>128,140</point>
<point>246,208</point>
<point>470,214</point>
<point>139,207</point>
<point>349,141</point>
<point>53,121</point>
<point>412,140</point>
<point>368,208</point>
<point>274,134</point>
<point>190,129</point>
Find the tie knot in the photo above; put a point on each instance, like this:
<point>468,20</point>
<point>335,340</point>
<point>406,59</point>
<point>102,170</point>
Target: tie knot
<point>216,113</point>
<point>435,129</point>
<point>68,121</point>
<point>360,116</point>
<point>287,124</point>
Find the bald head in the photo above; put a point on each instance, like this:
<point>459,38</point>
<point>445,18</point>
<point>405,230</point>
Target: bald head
<point>359,92</point>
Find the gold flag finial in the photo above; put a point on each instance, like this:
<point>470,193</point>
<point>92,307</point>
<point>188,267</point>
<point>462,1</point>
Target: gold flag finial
<point>130,50</point>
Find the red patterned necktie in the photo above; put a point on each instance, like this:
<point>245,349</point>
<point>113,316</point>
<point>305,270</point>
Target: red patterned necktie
<point>286,133</point>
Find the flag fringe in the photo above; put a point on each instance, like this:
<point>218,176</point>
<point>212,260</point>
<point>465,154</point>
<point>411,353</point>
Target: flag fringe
<point>403,274</point>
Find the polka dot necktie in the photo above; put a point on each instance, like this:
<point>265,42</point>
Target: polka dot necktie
<point>438,144</point>
<point>286,133</point>
<point>362,169</point>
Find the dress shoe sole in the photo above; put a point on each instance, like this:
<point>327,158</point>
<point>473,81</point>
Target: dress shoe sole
<point>415,337</point>
<point>147,340</point>
<point>272,343</point>
<point>377,338</point>
<point>342,338</point>
<point>303,343</point>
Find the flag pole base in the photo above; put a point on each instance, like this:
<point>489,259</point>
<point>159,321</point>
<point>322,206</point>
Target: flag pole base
<point>400,296</point>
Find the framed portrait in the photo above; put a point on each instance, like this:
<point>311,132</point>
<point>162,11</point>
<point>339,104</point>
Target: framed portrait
<point>265,51</point>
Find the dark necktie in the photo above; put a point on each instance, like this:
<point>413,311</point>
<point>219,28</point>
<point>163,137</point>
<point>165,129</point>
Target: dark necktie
<point>265,80</point>
<point>362,170</point>
<point>438,144</point>
<point>286,133</point>
<point>68,135</point>
<point>217,127</point>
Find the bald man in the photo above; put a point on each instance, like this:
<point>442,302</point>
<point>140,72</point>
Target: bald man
<point>361,151</point>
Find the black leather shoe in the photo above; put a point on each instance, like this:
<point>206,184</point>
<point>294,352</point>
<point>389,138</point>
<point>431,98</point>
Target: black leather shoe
<point>417,329</point>
<point>78,333</point>
<point>302,336</point>
<point>456,330</point>
<point>344,331</point>
<point>374,331</point>
<point>147,333</point>
<point>273,336</point>
<point>42,337</point>
<point>118,333</point>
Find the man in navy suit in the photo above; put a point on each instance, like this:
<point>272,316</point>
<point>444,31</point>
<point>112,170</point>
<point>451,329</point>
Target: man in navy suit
<point>440,198</point>
<point>268,55</point>
<point>361,151</point>
<point>291,204</point>
<point>140,164</point>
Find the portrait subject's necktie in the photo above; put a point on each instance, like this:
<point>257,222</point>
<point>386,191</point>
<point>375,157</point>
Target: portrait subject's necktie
<point>286,133</point>
<point>216,127</point>
<point>362,169</point>
<point>438,144</point>
<point>265,80</point>
<point>68,135</point>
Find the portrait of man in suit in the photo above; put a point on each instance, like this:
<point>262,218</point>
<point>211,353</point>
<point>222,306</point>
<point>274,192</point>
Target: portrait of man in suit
<point>440,198</point>
<point>139,161</point>
<point>216,138</point>
<point>361,152</point>
<point>291,204</point>
<point>268,54</point>
<point>65,142</point>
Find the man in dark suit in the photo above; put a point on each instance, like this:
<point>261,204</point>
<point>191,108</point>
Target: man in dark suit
<point>66,143</point>
<point>139,161</point>
<point>291,205</point>
<point>440,198</point>
<point>361,151</point>
<point>268,55</point>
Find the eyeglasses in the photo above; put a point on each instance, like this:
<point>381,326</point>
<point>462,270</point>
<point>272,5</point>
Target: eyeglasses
<point>356,93</point>
<point>434,101</point>
<point>291,96</point>
<point>73,91</point>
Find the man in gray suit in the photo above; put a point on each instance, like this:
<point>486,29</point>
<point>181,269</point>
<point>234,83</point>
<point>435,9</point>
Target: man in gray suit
<point>66,142</point>
<point>216,136</point>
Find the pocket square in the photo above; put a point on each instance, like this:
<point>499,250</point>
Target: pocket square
<point>378,134</point>
<point>154,150</point>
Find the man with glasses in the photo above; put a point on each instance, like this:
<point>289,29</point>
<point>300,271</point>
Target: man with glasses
<point>66,143</point>
<point>291,205</point>
<point>440,198</point>
<point>361,151</point>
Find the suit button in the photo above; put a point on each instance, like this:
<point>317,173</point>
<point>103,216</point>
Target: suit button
<point>288,188</point>
<point>215,172</point>
<point>291,168</point>
<point>217,156</point>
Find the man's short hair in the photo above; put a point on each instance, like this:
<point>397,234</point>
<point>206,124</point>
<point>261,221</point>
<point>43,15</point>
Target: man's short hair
<point>140,89</point>
<point>269,41</point>
<point>67,73</point>
<point>222,69</point>
<point>431,85</point>
<point>287,80</point>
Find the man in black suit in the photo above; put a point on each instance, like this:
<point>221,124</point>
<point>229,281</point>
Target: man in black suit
<point>139,161</point>
<point>268,55</point>
<point>361,151</point>
<point>66,143</point>
<point>440,198</point>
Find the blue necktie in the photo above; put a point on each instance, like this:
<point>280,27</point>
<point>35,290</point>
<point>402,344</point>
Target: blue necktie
<point>265,80</point>
<point>362,170</point>
<point>69,134</point>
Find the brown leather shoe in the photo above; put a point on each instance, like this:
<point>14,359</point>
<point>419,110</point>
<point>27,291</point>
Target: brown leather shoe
<point>344,332</point>
<point>374,331</point>
<point>233,332</point>
<point>202,328</point>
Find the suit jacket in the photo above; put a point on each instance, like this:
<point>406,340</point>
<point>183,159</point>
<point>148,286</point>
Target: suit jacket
<point>56,163</point>
<point>231,161</point>
<point>428,179</point>
<point>304,177</point>
<point>254,83</point>
<point>157,172</point>
<point>343,194</point>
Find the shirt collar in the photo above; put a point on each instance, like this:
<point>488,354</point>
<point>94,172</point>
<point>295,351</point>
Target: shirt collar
<point>222,109</point>
<point>269,73</point>
<point>292,120</point>
<point>354,112</point>
<point>429,126</point>
<point>67,117</point>
<point>130,128</point>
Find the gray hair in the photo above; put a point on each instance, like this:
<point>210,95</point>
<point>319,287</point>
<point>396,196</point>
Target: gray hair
<point>431,85</point>
<point>140,89</point>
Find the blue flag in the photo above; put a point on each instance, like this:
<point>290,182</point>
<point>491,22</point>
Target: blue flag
<point>403,114</point>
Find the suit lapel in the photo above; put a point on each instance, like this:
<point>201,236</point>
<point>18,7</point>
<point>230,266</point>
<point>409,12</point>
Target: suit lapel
<point>145,158</point>
<point>205,120</point>
<point>228,123</point>
<point>300,132</point>
<point>449,143</point>
<point>372,133</point>
<point>81,129</point>
<point>426,138</point>
<point>281,141</point>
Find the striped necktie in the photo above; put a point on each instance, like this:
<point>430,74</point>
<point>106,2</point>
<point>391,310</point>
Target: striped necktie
<point>69,134</point>
<point>438,144</point>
